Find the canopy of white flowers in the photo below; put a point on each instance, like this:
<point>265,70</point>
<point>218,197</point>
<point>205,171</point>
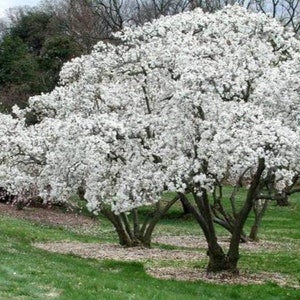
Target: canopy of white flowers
<point>179,103</point>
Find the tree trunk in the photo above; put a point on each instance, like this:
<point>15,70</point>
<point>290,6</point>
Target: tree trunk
<point>283,201</point>
<point>124,238</point>
<point>125,234</point>
<point>134,235</point>
<point>148,228</point>
<point>229,227</point>
<point>253,236</point>
<point>184,207</point>
<point>218,261</point>
<point>259,211</point>
<point>233,252</point>
<point>128,240</point>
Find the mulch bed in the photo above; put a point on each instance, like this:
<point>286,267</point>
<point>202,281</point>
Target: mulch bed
<point>48,216</point>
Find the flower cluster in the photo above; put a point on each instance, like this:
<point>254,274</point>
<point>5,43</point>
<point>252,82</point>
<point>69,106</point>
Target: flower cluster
<point>179,104</point>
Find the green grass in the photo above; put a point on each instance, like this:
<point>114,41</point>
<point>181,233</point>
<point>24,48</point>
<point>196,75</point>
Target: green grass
<point>30,273</point>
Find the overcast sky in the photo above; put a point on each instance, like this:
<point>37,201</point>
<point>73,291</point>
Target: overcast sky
<point>5,4</point>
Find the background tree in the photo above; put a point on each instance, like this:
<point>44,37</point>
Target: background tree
<point>33,49</point>
<point>17,72</point>
<point>80,21</point>
<point>286,11</point>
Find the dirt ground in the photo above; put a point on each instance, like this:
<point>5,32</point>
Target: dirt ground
<point>193,250</point>
<point>48,216</point>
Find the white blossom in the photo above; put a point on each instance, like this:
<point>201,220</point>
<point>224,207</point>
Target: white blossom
<point>181,103</point>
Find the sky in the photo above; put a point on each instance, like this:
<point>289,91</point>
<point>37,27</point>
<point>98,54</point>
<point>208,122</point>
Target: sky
<point>5,4</point>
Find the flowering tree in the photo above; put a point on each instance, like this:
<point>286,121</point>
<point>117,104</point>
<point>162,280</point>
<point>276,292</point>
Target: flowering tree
<point>187,104</point>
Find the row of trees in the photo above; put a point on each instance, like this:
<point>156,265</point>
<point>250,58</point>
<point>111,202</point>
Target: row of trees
<point>188,104</point>
<point>36,42</point>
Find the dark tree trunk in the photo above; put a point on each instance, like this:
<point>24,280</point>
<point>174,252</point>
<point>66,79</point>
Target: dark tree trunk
<point>229,227</point>
<point>233,252</point>
<point>184,207</point>
<point>203,214</point>
<point>259,212</point>
<point>132,234</point>
<point>221,215</point>
<point>283,201</point>
<point>253,236</point>
<point>218,261</point>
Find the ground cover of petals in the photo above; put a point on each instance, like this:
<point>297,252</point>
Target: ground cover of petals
<point>244,277</point>
<point>199,242</point>
<point>117,252</point>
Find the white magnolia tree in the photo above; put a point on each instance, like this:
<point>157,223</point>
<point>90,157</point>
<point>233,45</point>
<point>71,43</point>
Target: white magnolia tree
<point>186,104</point>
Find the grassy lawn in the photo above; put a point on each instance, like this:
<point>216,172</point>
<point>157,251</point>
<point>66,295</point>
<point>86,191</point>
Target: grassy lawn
<point>29,273</point>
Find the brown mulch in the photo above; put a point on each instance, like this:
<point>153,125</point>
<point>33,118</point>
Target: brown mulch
<point>243,278</point>
<point>117,252</point>
<point>48,216</point>
<point>187,241</point>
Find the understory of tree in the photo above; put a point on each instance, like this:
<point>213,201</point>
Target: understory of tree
<point>131,230</point>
